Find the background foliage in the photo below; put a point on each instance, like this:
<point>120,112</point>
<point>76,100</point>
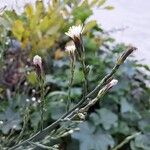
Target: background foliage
<point>124,111</point>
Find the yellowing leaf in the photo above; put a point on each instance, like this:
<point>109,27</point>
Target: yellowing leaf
<point>44,24</point>
<point>29,11</point>
<point>18,29</point>
<point>39,8</point>
<point>38,27</point>
<point>89,26</point>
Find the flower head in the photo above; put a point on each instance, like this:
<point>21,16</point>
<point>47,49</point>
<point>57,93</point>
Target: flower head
<point>33,99</point>
<point>37,61</point>
<point>70,48</point>
<point>75,31</point>
<point>1,122</point>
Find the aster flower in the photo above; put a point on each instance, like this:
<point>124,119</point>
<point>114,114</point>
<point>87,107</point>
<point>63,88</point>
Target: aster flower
<point>70,49</point>
<point>37,61</point>
<point>75,32</point>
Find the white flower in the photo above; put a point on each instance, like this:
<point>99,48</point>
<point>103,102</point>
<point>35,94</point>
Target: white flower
<point>70,48</point>
<point>75,31</point>
<point>39,101</point>
<point>33,90</point>
<point>37,60</point>
<point>27,100</point>
<point>1,122</point>
<point>33,99</point>
<point>14,126</point>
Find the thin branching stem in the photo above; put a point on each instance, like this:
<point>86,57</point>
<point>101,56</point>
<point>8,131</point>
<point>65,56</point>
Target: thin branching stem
<point>74,110</point>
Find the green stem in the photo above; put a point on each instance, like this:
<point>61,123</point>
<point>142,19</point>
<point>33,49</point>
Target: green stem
<point>45,131</point>
<point>85,77</point>
<point>126,140</point>
<point>7,140</point>
<point>42,103</point>
<point>71,112</point>
<point>25,121</point>
<point>72,68</point>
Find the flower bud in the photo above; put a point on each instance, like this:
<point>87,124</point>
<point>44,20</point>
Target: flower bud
<point>112,83</point>
<point>125,55</point>
<point>107,87</point>
<point>37,61</point>
<point>70,49</point>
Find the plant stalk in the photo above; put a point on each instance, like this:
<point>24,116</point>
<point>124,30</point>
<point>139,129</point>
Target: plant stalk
<point>45,131</point>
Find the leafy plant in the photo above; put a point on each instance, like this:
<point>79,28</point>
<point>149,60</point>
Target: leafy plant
<point>109,123</point>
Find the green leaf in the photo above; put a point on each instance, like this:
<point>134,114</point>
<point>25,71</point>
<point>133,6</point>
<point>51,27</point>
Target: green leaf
<point>5,23</point>
<point>56,109</point>
<point>12,120</point>
<point>94,117</point>
<point>107,118</point>
<point>76,92</point>
<point>78,76</point>
<point>144,125</point>
<point>143,142</point>
<point>56,80</point>
<point>32,78</point>
<point>90,140</point>
<point>123,128</point>
<point>90,25</point>
<point>126,106</point>
<point>82,12</point>
<point>91,45</point>
<point>35,119</point>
